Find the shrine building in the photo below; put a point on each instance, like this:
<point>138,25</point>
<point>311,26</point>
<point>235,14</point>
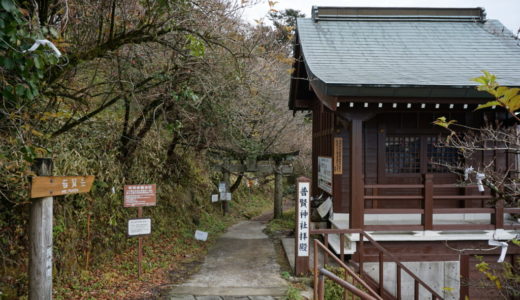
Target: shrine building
<point>375,80</point>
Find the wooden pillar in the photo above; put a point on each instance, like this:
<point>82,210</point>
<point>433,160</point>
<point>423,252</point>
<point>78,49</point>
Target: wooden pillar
<point>40,239</point>
<point>427,216</point>
<point>464,276</point>
<point>225,206</point>
<point>357,204</point>
<point>278,189</point>
<point>498,217</point>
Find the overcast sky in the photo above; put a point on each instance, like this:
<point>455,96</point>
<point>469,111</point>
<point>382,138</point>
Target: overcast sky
<point>506,11</point>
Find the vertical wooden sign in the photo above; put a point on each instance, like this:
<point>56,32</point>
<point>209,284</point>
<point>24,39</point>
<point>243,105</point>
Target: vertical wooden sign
<point>302,245</point>
<point>338,156</point>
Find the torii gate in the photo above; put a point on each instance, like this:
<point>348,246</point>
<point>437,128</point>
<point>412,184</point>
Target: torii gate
<point>269,163</point>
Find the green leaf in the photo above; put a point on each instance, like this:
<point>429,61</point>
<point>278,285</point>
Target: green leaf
<point>53,32</point>
<point>441,121</point>
<point>196,46</point>
<point>37,62</point>
<point>501,91</point>
<point>488,104</point>
<point>510,93</point>
<point>20,90</point>
<point>7,62</point>
<point>7,93</point>
<point>480,80</point>
<point>514,103</point>
<point>8,5</point>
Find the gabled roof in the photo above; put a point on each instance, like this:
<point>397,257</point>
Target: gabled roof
<point>405,52</point>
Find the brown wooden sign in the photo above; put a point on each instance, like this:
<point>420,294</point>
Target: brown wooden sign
<point>139,195</point>
<point>338,156</point>
<point>48,186</point>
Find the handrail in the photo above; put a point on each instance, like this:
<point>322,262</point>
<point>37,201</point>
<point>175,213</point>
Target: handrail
<point>343,283</point>
<point>382,252</point>
<point>400,265</point>
<point>347,285</point>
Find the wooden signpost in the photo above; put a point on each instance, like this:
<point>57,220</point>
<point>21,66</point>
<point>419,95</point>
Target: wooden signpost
<point>302,245</point>
<point>139,196</point>
<point>48,186</point>
<point>43,188</point>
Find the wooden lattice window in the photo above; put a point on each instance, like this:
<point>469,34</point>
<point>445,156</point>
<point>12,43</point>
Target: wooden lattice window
<point>437,156</point>
<point>403,154</point>
<point>416,154</point>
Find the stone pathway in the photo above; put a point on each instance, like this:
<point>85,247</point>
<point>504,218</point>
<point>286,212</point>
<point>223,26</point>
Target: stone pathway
<point>240,266</point>
<point>191,297</point>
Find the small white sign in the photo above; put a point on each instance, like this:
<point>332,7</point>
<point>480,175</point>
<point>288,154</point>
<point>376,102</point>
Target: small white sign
<point>222,187</point>
<point>142,226</point>
<point>325,174</point>
<point>201,235</point>
<point>225,196</point>
<point>214,198</point>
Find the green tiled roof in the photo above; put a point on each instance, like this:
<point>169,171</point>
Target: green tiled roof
<point>385,52</point>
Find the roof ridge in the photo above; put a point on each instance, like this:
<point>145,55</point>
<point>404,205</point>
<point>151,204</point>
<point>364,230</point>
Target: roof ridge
<point>331,13</point>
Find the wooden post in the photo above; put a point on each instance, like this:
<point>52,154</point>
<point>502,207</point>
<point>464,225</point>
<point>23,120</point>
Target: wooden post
<point>40,239</point>
<point>464,276</point>
<point>140,247</point>
<point>427,216</point>
<point>278,209</point>
<point>357,202</point>
<point>225,207</point>
<point>301,243</point>
<point>498,217</point>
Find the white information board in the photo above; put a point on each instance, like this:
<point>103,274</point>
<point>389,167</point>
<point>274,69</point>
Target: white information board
<point>222,187</point>
<point>325,174</point>
<point>141,226</point>
<point>201,235</point>
<point>303,218</point>
<point>225,196</point>
<point>214,198</point>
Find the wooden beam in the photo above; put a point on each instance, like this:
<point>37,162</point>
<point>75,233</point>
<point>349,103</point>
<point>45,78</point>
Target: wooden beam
<point>329,101</point>
<point>303,104</point>
<point>415,100</point>
<point>357,201</point>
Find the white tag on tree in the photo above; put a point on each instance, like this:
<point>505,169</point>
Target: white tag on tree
<point>214,198</point>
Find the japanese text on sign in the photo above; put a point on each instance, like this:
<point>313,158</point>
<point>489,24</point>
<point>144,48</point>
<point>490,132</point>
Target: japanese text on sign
<point>303,219</point>
<point>142,226</point>
<point>325,174</point>
<point>45,186</point>
<point>139,195</point>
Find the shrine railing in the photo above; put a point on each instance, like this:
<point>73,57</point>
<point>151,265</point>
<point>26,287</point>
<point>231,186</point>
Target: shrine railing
<point>426,199</point>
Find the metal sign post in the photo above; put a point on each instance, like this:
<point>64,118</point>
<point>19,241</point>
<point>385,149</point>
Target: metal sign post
<point>302,247</point>
<point>139,196</point>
